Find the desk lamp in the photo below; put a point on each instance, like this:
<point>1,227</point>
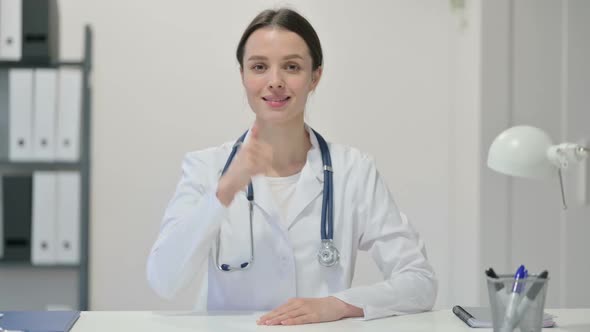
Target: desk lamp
<point>526,151</point>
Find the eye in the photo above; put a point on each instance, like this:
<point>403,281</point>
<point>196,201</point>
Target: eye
<point>292,67</point>
<point>259,67</point>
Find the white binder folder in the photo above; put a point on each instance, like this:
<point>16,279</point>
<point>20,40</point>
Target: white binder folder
<point>43,229</point>
<point>11,30</point>
<point>1,217</point>
<point>69,105</point>
<point>20,105</point>
<point>68,217</point>
<point>44,114</point>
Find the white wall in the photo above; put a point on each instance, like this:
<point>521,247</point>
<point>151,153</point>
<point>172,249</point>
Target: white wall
<point>535,60</point>
<point>166,82</point>
<point>550,84</point>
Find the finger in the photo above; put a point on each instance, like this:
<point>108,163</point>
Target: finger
<point>277,320</point>
<point>266,149</point>
<point>288,315</point>
<point>303,319</point>
<point>272,314</point>
<point>260,154</point>
<point>286,307</point>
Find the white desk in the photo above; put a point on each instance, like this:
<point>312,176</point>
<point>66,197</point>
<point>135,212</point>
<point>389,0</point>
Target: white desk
<point>572,320</point>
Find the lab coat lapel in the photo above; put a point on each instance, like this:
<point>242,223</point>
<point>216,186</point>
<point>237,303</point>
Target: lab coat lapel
<point>311,181</point>
<point>263,197</point>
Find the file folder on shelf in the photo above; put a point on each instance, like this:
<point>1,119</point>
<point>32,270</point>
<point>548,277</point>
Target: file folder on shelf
<point>16,216</point>
<point>44,251</point>
<point>11,30</point>
<point>69,111</point>
<point>16,114</point>
<point>4,115</point>
<point>68,217</point>
<point>1,217</point>
<point>40,31</point>
<point>44,114</point>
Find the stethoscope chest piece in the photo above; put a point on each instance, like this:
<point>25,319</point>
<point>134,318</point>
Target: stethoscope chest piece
<point>328,255</point>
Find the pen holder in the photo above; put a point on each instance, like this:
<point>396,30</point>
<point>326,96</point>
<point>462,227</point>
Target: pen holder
<point>517,305</point>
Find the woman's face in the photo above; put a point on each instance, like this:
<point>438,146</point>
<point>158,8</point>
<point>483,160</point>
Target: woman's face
<point>277,75</point>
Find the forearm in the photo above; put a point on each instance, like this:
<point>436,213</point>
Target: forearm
<point>403,293</point>
<point>183,245</point>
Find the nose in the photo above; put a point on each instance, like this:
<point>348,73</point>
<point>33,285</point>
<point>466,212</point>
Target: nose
<point>276,81</point>
<point>276,85</point>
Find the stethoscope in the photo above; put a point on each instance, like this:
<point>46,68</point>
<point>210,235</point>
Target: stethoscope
<point>328,255</point>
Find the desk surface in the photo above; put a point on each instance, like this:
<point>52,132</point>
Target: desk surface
<point>572,320</point>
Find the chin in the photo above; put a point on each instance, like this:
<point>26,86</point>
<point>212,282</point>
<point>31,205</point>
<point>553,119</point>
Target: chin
<point>276,116</point>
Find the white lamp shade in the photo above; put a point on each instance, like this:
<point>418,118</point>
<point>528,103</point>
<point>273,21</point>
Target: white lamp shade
<point>521,151</point>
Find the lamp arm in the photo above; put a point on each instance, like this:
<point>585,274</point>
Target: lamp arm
<point>563,154</point>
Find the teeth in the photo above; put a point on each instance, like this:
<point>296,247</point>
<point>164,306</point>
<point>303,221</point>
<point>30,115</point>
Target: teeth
<point>277,100</point>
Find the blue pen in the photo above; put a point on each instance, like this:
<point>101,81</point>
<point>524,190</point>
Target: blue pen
<point>531,294</point>
<point>513,299</point>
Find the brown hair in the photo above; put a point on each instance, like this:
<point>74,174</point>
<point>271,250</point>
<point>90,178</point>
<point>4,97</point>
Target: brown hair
<point>289,20</point>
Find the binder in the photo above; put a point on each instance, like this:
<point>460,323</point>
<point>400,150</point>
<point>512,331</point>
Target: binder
<point>40,29</point>
<point>4,115</point>
<point>43,251</point>
<point>1,217</point>
<point>16,216</point>
<point>69,106</point>
<point>38,321</point>
<point>11,30</point>
<point>16,107</point>
<point>44,114</point>
<point>68,217</point>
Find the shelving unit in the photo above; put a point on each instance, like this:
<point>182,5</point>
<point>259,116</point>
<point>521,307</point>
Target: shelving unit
<point>40,287</point>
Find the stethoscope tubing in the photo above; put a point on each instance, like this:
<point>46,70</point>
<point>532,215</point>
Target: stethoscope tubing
<point>327,223</point>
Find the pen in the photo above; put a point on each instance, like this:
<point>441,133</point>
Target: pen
<point>529,298</point>
<point>513,299</point>
<point>498,286</point>
<point>463,315</point>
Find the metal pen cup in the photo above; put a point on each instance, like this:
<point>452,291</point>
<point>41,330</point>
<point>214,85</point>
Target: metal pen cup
<point>517,306</point>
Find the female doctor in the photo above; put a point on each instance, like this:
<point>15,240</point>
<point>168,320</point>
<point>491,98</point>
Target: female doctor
<point>275,218</point>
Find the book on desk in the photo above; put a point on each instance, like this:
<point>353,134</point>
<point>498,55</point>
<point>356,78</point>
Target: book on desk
<point>38,321</point>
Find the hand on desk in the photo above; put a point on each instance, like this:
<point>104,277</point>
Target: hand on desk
<point>310,310</point>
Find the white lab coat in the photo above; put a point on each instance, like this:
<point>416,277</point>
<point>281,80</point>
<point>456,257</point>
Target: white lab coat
<point>285,258</point>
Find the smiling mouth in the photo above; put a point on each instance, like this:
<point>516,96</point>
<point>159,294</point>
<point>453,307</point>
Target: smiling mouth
<point>276,100</point>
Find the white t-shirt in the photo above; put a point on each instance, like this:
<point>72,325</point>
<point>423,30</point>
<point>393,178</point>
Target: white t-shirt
<point>283,190</point>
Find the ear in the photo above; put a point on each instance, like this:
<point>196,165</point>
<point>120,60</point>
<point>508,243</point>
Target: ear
<point>242,73</point>
<point>315,78</point>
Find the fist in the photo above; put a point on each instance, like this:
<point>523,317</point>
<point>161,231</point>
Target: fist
<point>254,157</point>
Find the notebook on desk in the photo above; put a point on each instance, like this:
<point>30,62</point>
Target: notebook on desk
<point>482,316</point>
<point>39,321</point>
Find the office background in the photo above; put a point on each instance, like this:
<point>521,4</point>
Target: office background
<point>424,86</point>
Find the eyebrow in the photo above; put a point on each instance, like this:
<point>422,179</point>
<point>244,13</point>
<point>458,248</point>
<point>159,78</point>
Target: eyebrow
<point>288,57</point>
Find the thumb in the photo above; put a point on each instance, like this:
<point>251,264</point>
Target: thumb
<point>254,131</point>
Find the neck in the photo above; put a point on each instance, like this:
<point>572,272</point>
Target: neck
<point>290,143</point>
